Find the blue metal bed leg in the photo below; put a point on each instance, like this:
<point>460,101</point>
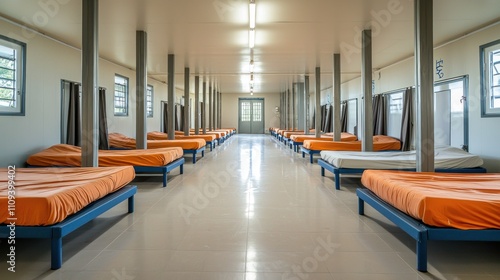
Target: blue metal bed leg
<point>422,252</point>
<point>322,171</point>
<point>336,172</point>
<point>211,146</point>
<point>203,153</point>
<point>311,158</point>
<point>131,204</point>
<point>303,155</point>
<point>194,157</point>
<point>361,206</point>
<point>56,253</point>
<point>181,168</point>
<point>164,178</point>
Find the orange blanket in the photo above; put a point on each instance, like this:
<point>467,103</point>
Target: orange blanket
<point>67,155</point>
<point>156,135</point>
<point>117,140</point>
<point>464,201</point>
<point>45,196</point>
<point>346,137</point>
<point>380,143</point>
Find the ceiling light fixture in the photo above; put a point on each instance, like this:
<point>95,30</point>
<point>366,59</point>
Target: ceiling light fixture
<point>252,14</point>
<point>251,66</point>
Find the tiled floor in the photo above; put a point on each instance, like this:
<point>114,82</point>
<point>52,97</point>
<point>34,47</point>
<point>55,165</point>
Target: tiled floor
<point>251,209</point>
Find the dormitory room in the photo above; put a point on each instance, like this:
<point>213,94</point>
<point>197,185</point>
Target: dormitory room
<point>250,139</point>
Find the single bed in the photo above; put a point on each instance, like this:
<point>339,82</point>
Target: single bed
<point>53,202</point>
<point>435,206</point>
<point>297,140</point>
<point>209,138</point>
<point>144,161</point>
<point>446,158</point>
<point>189,146</point>
<point>380,143</point>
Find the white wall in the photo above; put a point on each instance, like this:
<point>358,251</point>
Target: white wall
<point>460,58</point>
<point>230,109</point>
<point>47,63</point>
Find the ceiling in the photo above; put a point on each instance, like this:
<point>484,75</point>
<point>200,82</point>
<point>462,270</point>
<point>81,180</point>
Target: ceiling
<point>292,36</point>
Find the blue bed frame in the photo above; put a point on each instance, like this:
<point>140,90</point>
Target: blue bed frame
<point>311,153</point>
<point>57,231</point>
<point>419,231</point>
<point>195,153</point>
<point>162,169</point>
<point>337,171</point>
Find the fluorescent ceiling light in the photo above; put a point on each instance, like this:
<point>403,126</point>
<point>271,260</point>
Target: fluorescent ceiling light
<point>251,39</point>
<point>252,15</point>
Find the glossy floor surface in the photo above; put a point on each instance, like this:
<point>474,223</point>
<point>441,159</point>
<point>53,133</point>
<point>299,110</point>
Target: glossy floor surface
<point>251,209</point>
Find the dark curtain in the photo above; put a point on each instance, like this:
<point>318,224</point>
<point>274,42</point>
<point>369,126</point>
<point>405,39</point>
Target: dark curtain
<point>103,123</point>
<point>407,122</point>
<point>323,116</point>
<point>74,129</point>
<point>379,115</point>
<point>179,117</point>
<point>328,118</point>
<point>165,117</point>
<point>343,117</point>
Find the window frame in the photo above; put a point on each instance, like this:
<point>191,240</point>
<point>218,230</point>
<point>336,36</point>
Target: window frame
<point>486,79</point>
<point>150,108</point>
<point>127,90</point>
<point>20,82</point>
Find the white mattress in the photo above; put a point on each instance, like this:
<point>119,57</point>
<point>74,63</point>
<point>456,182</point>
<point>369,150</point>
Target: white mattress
<point>444,157</point>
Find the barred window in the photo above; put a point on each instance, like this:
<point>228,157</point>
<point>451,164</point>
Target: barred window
<point>149,101</point>
<point>121,96</point>
<point>12,76</point>
<point>490,79</point>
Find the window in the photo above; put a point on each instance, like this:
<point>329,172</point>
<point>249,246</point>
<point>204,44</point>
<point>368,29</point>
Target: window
<point>490,80</point>
<point>12,76</point>
<point>394,114</point>
<point>245,111</point>
<point>149,101</point>
<point>121,96</point>
<point>257,112</point>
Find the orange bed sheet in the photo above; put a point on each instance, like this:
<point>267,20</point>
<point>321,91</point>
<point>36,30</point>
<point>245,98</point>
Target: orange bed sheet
<point>117,140</point>
<point>347,137</point>
<point>70,156</point>
<point>458,200</point>
<point>156,135</point>
<point>380,143</point>
<point>289,134</point>
<point>45,196</point>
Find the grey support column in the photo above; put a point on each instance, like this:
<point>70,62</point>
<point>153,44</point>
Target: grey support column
<point>306,105</point>
<point>197,105</point>
<point>366,80</point>
<point>90,74</point>
<point>424,80</point>
<point>187,119</point>
<point>317,123</point>
<point>141,89</point>
<point>294,112</point>
<point>214,112</point>
<point>210,125</point>
<point>171,97</point>
<point>282,108</point>
<point>337,126</point>
<point>219,106</point>
<point>204,111</point>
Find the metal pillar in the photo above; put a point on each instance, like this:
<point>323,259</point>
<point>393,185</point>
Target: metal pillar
<point>294,113</point>
<point>424,80</point>
<point>366,80</point>
<point>197,105</point>
<point>204,111</point>
<point>141,89</point>
<point>210,125</point>
<point>171,97</point>
<point>317,123</point>
<point>187,117</point>
<point>306,105</point>
<point>90,74</point>
<point>337,126</point>
<point>219,107</point>
<point>214,111</point>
